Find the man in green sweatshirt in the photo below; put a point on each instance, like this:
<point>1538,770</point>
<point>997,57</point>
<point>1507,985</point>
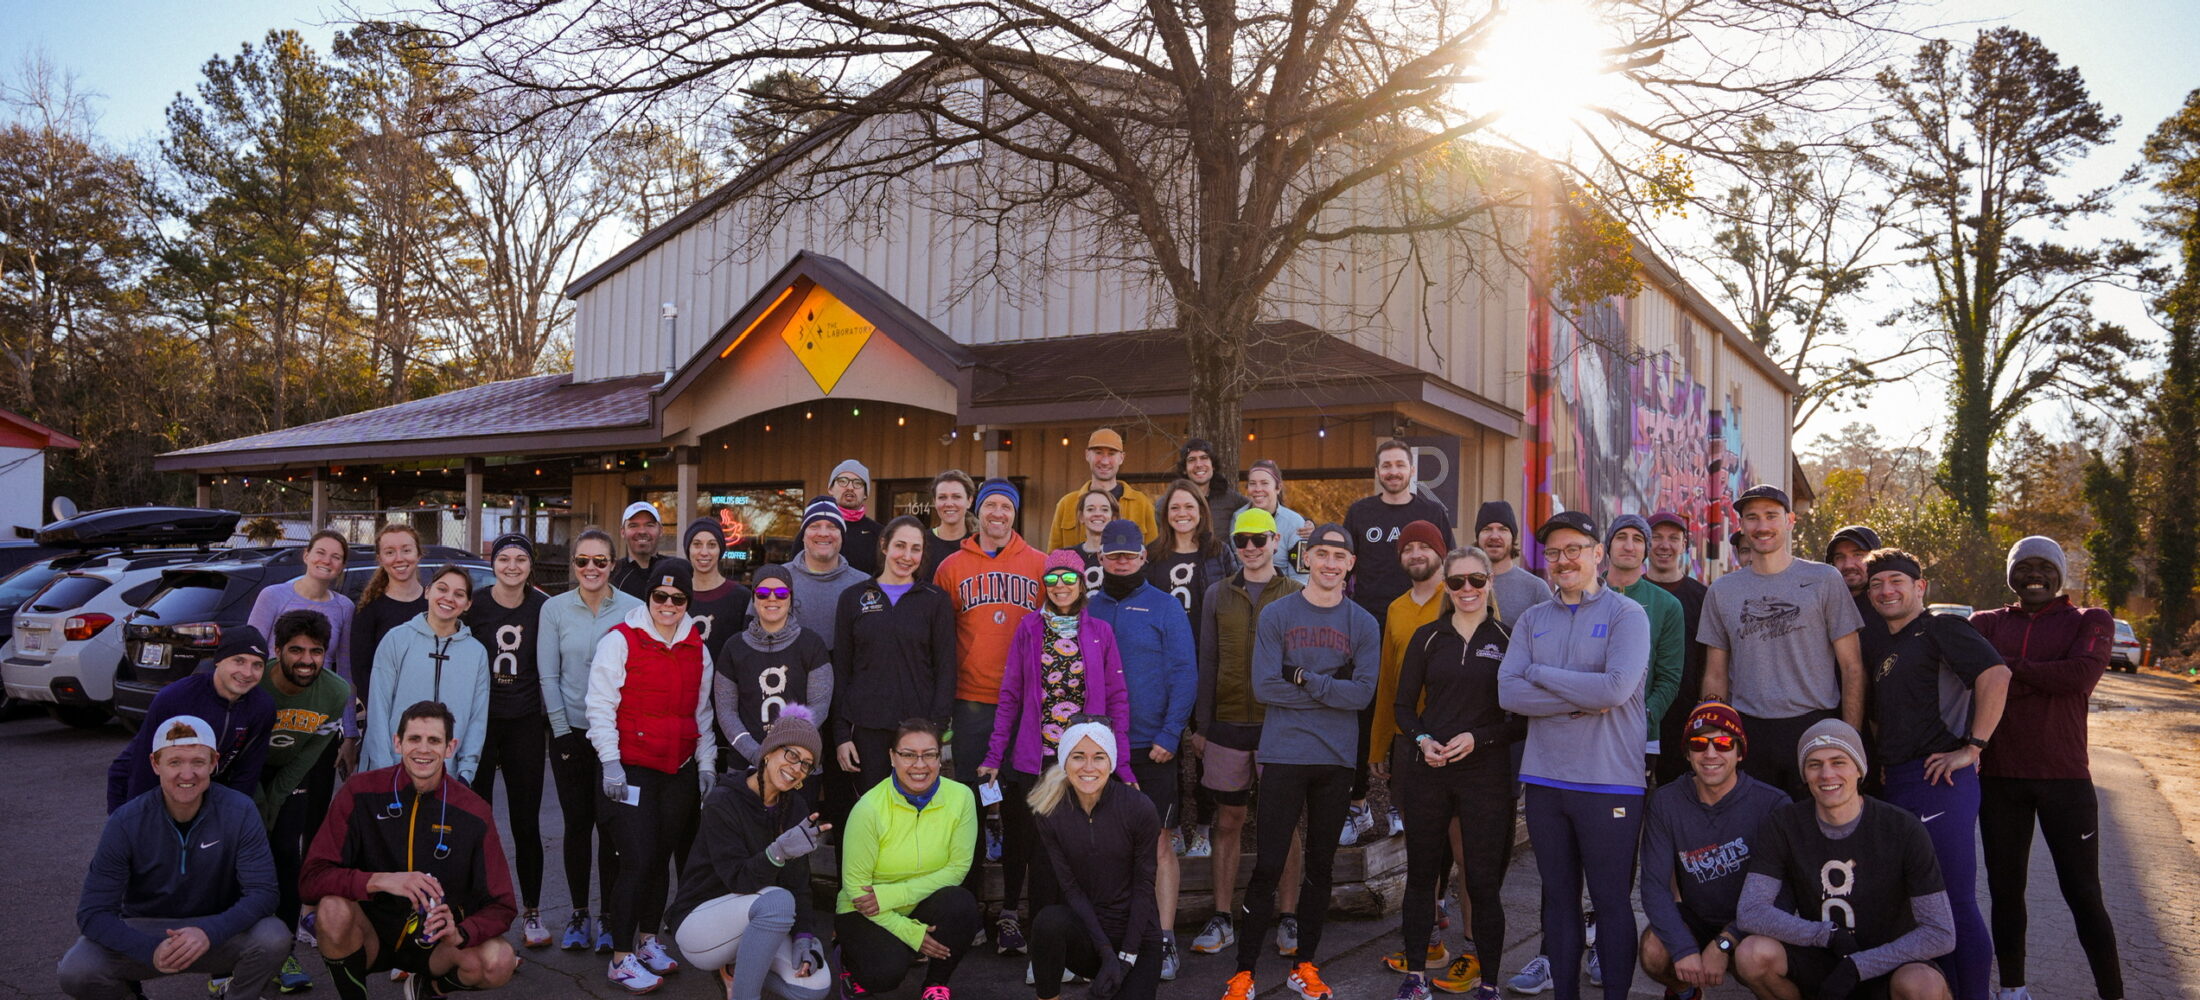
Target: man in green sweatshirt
<point>1627,551</point>
<point>309,713</point>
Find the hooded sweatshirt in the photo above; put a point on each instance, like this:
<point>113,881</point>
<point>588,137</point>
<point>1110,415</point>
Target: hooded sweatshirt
<point>1017,740</point>
<point>991,592</point>
<point>1704,851</point>
<point>1577,672</point>
<point>242,727</point>
<point>728,857</point>
<point>607,679</point>
<point>405,672</point>
<point>893,659</point>
<point>760,673</point>
<point>216,871</point>
<point>568,642</point>
<point>2055,656</point>
<point>1154,641</point>
<point>817,595</point>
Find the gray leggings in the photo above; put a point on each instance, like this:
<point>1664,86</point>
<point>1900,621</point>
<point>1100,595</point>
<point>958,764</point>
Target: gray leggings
<point>751,933</point>
<point>92,971</point>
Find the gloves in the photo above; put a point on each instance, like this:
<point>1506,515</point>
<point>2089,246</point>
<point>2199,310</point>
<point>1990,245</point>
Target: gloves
<point>707,778</point>
<point>569,745</point>
<point>799,840</point>
<point>808,950</point>
<point>1842,941</point>
<point>1109,980</point>
<point>1840,982</point>
<point>614,781</point>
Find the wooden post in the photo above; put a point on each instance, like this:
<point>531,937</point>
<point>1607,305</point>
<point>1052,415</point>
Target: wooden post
<point>689,462</point>
<point>320,498</point>
<point>474,514</point>
<point>203,494</point>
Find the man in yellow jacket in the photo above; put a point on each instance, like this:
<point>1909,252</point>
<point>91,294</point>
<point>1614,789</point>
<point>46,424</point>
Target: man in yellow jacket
<point>1104,456</point>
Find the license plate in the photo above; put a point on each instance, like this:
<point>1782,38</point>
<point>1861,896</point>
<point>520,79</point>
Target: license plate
<point>28,640</point>
<point>153,654</point>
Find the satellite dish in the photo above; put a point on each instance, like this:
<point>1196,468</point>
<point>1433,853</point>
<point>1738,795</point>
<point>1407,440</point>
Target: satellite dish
<point>63,508</point>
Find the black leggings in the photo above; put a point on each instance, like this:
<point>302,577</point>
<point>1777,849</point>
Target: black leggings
<point>877,960</point>
<point>519,747</point>
<point>580,799</point>
<point>1020,855</point>
<point>647,836</point>
<point>874,756</point>
<point>2068,813</point>
<point>1321,793</point>
<point>1480,798</point>
<point>1060,941</point>
<point>296,821</point>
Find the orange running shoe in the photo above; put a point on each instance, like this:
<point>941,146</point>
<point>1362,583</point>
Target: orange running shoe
<point>1240,987</point>
<point>1306,981</point>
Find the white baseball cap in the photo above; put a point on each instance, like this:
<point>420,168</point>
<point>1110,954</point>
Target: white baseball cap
<point>641,507</point>
<point>185,731</point>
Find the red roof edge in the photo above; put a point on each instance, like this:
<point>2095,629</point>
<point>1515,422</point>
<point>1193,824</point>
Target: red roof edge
<point>19,431</point>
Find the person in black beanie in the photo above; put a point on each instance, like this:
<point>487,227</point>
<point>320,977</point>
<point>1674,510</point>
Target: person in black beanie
<point>1847,552</point>
<point>721,603</point>
<point>770,664</point>
<point>1497,534</point>
<point>508,622</point>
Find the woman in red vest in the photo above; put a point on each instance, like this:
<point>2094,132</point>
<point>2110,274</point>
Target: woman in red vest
<point>648,706</point>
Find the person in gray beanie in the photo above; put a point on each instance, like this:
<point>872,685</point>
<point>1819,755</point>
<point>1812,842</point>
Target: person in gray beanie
<point>850,488</point>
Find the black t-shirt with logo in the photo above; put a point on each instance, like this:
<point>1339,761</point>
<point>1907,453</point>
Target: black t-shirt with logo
<point>1921,681</point>
<point>509,634</point>
<point>1181,575</point>
<point>1863,881</point>
<point>720,611</point>
<point>1377,578</point>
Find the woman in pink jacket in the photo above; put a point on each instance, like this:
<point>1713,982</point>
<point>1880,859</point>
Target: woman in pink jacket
<point>1062,669</point>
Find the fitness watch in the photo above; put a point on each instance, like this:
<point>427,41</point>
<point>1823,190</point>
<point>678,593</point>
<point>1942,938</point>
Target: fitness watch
<point>1975,741</point>
<point>1725,944</point>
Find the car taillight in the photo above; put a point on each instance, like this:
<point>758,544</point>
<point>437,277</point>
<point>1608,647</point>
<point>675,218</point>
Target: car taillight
<point>201,633</point>
<point>85,626</point>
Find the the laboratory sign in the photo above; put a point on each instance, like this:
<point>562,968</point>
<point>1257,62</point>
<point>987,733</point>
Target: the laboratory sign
<point>826,336</point>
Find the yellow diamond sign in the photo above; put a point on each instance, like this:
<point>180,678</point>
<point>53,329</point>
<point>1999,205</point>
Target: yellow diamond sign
<point>825,336</point>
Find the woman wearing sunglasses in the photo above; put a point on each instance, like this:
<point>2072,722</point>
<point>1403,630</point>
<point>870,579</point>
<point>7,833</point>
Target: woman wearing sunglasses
<point>744,902</point>
<point>1062,664</point>
<point>771,664</point>
<point>903,857</point>
<point>648,708</point>
<point>572,622</point>
<point>1457,768</point>
<point>894,655</point>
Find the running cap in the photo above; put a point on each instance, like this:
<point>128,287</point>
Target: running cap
<point>1572,520</point>
<point>185,731</point>
<point>1105,437</point>
<point>1831,733</point>
<point>1251,519</point>
<point>1763,491</point>
<point>1332,535</point>
<point>1855,534</point>
<point>1668,517</point>
<point>641,507</point>
<point>1121,536</point>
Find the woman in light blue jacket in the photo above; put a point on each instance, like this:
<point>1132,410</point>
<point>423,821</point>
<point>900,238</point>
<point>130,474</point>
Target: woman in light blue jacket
<point>431,658</point>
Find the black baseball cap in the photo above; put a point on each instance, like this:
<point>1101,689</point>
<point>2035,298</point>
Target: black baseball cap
<point>1573,519</point>
<point>1763,491</point>
<point>1331,534</point>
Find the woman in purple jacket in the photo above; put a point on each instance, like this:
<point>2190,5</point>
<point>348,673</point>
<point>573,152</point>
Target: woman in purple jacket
<point>1062,668</point>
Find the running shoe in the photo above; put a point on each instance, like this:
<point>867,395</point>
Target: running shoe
<point>603,938</point>
<point>1287,935</point>
<point>1397,824</point>
<point>1169,959</point>
<point>1199,844</point>
<point>533,932</point>
<point>1443,913</point>
<point>2013,993</point>
<point>1306,981</point>
<point>1464,974</point>
<point>217,987</point>
<point>1008,935</point>
<point>1596,972</point>
<point>1437,955</point>
<point>1535,977</point>
<point>631,975</point>
<point>1357,820</point>
<point>993,840</point>
<point>1485,992</point>
<point>292,978</point>
<point>937,991</point>
<point>577,932</point>
<point>654,955</point>
<point>850,988</point>
<point>422,988</point>
<point>1412,989</point>
<point>1176,842</point>
<point>1219,933</point>
<point>305,935</point>
<point>1240,987</point>
<point>1031,977</point>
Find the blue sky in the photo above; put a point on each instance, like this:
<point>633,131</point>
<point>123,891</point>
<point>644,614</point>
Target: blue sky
<point>2137,55</point>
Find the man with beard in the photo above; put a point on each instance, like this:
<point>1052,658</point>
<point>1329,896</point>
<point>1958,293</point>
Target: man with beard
<point>1668,569</point>
<point>1848,550</point>
<point>1104,458</point>
<point>1627,547</point>
<point>1420,555</point>
<point>1497,534</point>
<point>643,530</point>
<point>309,711</point>
<point>850,487</point>
<point>1196,461</point>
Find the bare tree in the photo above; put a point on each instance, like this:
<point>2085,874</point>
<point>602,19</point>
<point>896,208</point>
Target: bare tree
<point>1207,146</point>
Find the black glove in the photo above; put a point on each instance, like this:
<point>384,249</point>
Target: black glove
<point>1108,980</point>
<point>1840,982</point>
<point>1842,941</point>
<point>569,746</point>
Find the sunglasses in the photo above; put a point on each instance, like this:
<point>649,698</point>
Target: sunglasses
<point>1722,743</point>
<point>1249,539</point>
<point>672,597</point>
<point>1062,577</point>
<point>583,562</point>
<point>1475,580</point>
<point>773,593</point>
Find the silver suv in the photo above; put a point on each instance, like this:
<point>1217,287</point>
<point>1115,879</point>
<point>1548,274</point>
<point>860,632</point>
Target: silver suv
<point>68,636</point>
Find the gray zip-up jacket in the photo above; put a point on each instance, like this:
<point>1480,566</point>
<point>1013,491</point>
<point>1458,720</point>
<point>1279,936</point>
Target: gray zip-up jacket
<point>566,646</point>
<point>1577,673</point>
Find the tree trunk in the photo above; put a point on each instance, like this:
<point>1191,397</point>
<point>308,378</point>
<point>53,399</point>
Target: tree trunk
<point>1215,346</point>
<point>2176,534</point>
<point>1966,472</point>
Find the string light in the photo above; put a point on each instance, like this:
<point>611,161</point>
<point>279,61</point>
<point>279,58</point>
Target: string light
<point>901,421</point>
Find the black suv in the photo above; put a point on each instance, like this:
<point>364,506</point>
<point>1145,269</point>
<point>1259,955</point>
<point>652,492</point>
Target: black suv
<point>171,635</point>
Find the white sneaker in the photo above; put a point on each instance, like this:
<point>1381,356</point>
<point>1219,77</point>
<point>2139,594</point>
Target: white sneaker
<point>1176,842</point>
<point>631,975</point>
<point>1032,978</point>
<point>1358,820</point>
<point>653,954</point>
<point>2013,993</point>
<point>1198,845</point>
<point>1397,823</point>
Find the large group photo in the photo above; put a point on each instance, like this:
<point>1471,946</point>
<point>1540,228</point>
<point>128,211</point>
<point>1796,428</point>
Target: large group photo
<point>1325,501</point>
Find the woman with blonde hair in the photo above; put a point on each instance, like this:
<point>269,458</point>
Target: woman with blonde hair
<point>1098,838</point>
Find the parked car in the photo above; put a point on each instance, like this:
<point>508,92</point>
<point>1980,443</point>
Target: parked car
<point>1959,610</point>
<point>170,636</point>
<point>2126,652</point>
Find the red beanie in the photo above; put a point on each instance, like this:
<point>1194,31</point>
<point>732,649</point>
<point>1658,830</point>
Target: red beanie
<point>1423,532</point>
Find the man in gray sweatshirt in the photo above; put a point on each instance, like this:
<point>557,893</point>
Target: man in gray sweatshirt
<point>820,573</point>
<point>1695,851</point>
<point>1576,669</point>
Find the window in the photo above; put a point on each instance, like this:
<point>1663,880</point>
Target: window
<point>761,522</point>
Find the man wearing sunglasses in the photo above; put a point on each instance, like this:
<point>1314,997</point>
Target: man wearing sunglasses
<point>1627,551</point>
<point>1695,852</point>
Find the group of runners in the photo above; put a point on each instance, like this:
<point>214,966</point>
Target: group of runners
<point>707,732</point>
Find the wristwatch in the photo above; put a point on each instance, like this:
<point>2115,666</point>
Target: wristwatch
<point>1975,741</point>
<point>1723,943</point>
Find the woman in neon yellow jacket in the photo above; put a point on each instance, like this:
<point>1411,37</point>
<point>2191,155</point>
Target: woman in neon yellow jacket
<point>904,853</point>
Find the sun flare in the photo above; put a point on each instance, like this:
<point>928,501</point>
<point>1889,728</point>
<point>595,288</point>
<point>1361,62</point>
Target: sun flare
<point>1542,65</point>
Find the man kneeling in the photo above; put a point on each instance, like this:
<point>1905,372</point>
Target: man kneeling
<point>407,873</point>
<point>182,881</point>
<point>1870,913</point>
